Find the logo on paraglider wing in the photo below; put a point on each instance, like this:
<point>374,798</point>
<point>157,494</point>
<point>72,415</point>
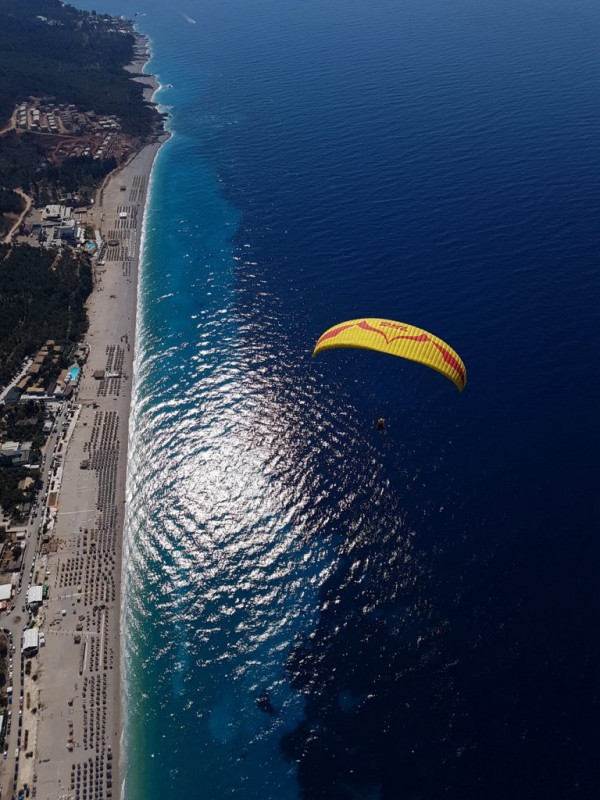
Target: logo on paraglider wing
<point>397,325</point>
<point>366,326</point>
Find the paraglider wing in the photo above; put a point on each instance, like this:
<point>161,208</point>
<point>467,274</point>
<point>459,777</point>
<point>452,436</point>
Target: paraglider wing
<point>397,339</point>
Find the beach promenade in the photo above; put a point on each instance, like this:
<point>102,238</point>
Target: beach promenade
<point>65,743</point>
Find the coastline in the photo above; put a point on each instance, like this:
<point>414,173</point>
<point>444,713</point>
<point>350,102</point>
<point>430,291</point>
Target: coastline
<point>71,714</point>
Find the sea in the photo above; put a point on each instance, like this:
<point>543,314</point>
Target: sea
<point>313,608</point>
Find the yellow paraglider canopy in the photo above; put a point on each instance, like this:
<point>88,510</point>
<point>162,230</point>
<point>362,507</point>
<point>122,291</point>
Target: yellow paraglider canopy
<point>397,339</point>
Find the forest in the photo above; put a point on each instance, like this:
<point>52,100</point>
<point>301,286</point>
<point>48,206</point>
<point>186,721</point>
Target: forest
<point>11,496</point>
<point>42,296</point>
<point>24,422</point>
<point>54,50</point>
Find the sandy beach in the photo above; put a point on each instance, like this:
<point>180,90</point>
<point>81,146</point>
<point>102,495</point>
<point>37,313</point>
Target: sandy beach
<point>69,720</point>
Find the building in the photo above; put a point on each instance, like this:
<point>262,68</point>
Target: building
<point>15,453</point>
<point>16,558</point>
<point>35,596</point>
<point>35,391</point>
<point>67,229</point>
<point>31,641</point>
<point>6,592</point>
<point>25,452</point>
<point>52,213</point>
<point>8,452</point>
<point>12,397</point>
<point>52,238</point>
<point>56,213</point>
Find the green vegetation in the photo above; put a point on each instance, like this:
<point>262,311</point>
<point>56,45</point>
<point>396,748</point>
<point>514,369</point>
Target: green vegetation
<point>24,423</point>
<point>78,175</point>
<point>10,203</point>
<point>21,160</point>
<point>23,165</point>
<point>54,50</point>
<point>42,297</point>
<point>11,497</point>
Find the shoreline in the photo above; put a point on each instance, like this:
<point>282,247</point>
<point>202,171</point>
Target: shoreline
<point>72,714</point>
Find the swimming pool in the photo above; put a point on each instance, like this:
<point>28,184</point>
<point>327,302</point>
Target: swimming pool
<point>73,374</point>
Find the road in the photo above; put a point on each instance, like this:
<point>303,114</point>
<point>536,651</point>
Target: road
<point>28,201</point>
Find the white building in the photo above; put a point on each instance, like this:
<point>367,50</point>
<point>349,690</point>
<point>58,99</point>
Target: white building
<point>57,213</point>
<point>35,595</point>
<point>16,452</point>
<point>5,592</point>
<point>31,641</point>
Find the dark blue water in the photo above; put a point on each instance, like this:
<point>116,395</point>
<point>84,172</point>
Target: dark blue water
<point>314,609</point>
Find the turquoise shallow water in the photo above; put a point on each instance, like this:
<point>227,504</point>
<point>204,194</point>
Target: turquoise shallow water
<point>193,454</point>
<point>312,609</point>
